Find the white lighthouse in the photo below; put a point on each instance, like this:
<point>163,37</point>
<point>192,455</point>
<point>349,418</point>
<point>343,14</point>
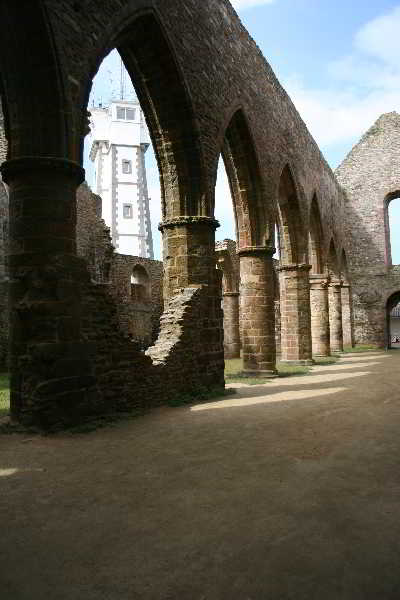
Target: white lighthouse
<point>119,142</point>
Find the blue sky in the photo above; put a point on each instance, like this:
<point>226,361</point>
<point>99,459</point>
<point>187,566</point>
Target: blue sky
<point>340,63</point>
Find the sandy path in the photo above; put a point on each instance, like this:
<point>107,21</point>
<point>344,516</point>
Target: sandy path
<point>288,490</point>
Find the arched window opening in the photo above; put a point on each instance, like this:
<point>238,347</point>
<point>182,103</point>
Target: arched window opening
<point>393,320</point>
<point>224,206</point>
<point>315,238</point>
<point>290,222</point>
<point>392,227</point>
<point>246,185</point>
<point>120,162</point>
<point>140,285</point>
<point>333,264</point>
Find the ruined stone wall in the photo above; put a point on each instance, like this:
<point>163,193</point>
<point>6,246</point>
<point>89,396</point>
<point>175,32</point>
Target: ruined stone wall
<point>93,241</point>
<point>370,175</point>
<point>138,317</point>
<point>192,111</point>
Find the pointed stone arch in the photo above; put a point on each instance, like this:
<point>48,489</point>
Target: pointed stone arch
<point>291,234</point>
<point>333,262</point>
<point>246,183</point>
<point>152,65</point>
<point>36,105</point>
<point>315,238</point>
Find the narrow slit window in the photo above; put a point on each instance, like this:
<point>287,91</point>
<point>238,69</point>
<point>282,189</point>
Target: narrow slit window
<point>126,166</point>
<point>127,211</point>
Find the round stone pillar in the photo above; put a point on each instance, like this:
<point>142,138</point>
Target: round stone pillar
<point>52,381</point>
<point>188,252</point>
<point>335,315</point>
<point>347,316</point>
<point>257,312</point>
<point>295,314</point>
<point>231,325</point>
<point>319,303</point>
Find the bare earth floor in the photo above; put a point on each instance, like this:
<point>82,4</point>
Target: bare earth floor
<point>288,490</point>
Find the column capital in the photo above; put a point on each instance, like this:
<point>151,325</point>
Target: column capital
<point>230,294</point>
<point>294,267</point>
<point>345,285</point>
<point>12,169</point>
<point>189,221</point>
<point>256,251</point>
<point>318,281</point>
<point>335,283</point>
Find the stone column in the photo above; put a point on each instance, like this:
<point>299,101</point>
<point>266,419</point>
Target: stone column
<point>347,316</point>
<point>52,381</point>
<point>335,315</point>
<point>189,252</point>
<point>231,325</point>
<point>189,261</point>
<point>295,314</point>
<point>257,312</point>
<point>319,303</point>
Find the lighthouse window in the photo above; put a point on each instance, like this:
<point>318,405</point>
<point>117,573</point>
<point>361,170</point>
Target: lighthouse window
<point>125,114</point>
<point>126,166</point>
<point>127,211</point>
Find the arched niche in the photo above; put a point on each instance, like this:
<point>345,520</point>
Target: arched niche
<point>140,285</point>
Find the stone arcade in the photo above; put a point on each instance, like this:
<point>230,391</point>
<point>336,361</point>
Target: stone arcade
<point>69,359</point>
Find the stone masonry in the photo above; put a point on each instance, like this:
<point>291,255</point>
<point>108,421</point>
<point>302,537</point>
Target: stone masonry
<point>68,359</point>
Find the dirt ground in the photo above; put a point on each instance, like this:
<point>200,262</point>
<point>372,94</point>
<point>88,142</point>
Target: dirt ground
<point>287,490</point>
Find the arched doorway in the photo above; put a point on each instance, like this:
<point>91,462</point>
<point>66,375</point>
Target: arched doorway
<point>393,321</point>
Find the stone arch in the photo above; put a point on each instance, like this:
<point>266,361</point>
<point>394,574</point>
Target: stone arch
<point>140,284</point>
<point>344,269</point>
<point>388,250</point>
<point>392,314</point>
<point>246,183</point>
<point>37,107</point>
<point>152,64</point>
<point>291,233</point>
<point>315,238</point>
<point>333,263</point>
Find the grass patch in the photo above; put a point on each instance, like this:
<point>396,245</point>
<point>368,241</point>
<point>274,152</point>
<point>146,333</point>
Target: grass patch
<point>234,374</point>
<point>234,367</point>
<point>360,348</point>
<point>4,394</point>
<point>326,360</point>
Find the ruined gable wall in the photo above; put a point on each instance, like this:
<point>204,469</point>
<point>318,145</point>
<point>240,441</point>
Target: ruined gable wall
<point>368,174</point>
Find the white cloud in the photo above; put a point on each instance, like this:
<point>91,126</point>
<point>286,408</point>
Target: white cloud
<point>364,84</point>
<point>243,4</point>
